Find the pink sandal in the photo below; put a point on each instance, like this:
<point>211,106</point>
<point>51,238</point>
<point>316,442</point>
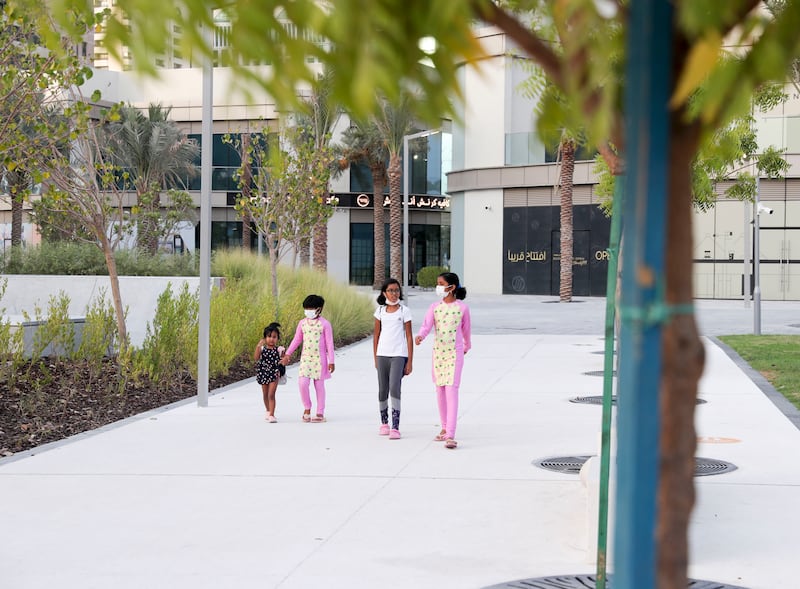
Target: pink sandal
<point>450,443</point>
<point>306,417</point>
<point>318,418</point>
<point>441,436</point>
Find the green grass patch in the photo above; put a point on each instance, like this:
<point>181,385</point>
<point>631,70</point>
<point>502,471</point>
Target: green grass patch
<point>776,357</point>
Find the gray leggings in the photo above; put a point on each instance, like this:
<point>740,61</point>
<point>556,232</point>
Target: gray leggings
<point>390,375</point>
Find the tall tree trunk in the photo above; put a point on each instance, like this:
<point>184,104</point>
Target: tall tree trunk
<point>378,182</point>
<point>395,217</point>
<point>683,358</point>
<point>245,182</point>
<point>16,219</point>
<point>305,252</point>
<point>320,246</point>
<point>116,296</point>
<point>147,239</point>
<point>567,148</point>
<point>19,184</point>
<point>273,269</point>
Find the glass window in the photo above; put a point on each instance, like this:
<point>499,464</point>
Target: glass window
<point>792,135</point>
<point>361,178</point>
<point>769,131</point>
<point>362,254</point>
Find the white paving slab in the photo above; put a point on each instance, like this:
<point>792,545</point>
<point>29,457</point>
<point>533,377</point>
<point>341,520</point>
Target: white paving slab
<point>216,497</point>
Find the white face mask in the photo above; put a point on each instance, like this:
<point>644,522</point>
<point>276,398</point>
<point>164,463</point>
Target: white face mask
<point>310,313</point>
<point>441,291</point>
<point>392,303</point>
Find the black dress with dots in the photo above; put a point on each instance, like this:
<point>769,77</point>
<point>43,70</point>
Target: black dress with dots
<point>267,365</point>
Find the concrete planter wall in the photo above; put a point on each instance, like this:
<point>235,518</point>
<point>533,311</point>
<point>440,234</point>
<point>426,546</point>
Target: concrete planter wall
<point>139,294</point>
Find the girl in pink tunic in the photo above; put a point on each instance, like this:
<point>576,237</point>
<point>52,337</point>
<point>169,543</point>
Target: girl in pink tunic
<point>316,359</point>
<point>450,318</point>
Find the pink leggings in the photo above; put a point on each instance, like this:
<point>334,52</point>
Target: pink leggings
<point>305,394</point>
<point>447,397</point>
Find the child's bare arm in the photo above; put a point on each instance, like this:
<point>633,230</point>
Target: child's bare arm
<point>257,352</point>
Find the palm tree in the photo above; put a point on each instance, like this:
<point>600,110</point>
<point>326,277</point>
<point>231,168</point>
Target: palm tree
<point>567,154</point>
<point>19,187</point>
<point>246,182</point>
<point>318,118</point>
<point>394,122</point>
<point>362,143</point>
<point>154,154</point>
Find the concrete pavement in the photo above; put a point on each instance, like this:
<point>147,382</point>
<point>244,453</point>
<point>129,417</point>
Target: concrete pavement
<point>217,497</point>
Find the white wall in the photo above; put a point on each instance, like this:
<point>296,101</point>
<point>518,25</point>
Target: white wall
<point>483,249</point>
<point>339,245</point>
<point>484,138</point>
<point>139,294</point>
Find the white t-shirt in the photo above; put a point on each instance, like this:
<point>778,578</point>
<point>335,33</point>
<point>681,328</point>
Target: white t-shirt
<point>392,341</point>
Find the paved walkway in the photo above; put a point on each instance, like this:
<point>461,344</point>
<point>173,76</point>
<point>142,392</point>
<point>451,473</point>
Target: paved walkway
<point>214,497</point>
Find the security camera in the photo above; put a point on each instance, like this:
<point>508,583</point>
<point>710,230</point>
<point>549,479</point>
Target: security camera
<point>764,209</point>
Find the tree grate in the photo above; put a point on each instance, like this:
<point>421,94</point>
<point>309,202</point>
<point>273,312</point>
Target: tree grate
<point>573,464</point>
<point>589,582</point>
<point>709,466</point>
<point>598,400</point>
<point>564,464</point>
<point>599,373</point>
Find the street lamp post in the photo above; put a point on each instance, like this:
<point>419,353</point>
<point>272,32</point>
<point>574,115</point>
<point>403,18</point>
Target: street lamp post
<point>406,139</point>
<point>204,310</point>
<point>756,264</point>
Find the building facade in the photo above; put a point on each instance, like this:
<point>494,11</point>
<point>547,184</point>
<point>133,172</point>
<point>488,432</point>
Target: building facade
<point>503,188</point>
<point>484,197</point>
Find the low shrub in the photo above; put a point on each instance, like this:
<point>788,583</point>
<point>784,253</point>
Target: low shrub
<point>138,263</point>
<point>100,335</point>
<point>56,258</point>
<point>170,343</point>
<point>426,277</point>
<point>85,259</point>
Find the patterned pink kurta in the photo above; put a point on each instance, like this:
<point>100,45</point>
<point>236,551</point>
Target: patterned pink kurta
<point>316,335</point>
<point>453,339</point>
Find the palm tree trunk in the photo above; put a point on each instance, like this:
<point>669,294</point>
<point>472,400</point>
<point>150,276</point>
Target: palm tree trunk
<point>395,217</point>
<point>683,357</point>
<point>19,185</point>
<point>320,241</point>
<point>16,219</point>
<point>305,252</point>
<point>148,227</point>
<point>378,181</point>
<point>567,148</point>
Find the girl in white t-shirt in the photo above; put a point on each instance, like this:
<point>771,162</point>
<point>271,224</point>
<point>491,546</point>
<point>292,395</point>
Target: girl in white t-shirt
<point>393,351</point>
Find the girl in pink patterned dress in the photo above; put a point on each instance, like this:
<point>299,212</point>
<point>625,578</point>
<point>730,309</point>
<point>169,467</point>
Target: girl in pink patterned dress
<point>316,359</point>
<point>450,318</point>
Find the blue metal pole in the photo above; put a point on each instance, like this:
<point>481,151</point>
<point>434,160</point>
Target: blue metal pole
<point>643,254</point>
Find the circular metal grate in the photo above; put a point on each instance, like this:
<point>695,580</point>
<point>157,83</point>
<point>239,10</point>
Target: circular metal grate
<point>708,466</point>
<point>599,373</point>
<point>598,400</point>
<point>569,303</point>
<point>589,582</point>
<point>564,464</point>
<point>573,464</point>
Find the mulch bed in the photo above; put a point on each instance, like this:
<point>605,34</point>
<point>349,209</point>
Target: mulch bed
<point>51,400</point>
